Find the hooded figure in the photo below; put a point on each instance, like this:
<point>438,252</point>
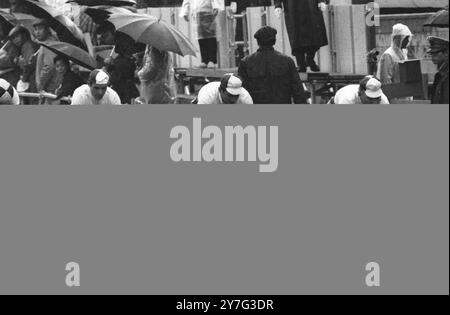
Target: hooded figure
<point>388,68</point>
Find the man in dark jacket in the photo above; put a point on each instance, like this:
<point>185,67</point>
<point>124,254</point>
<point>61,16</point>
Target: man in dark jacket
<point>270,76</point>
<point>306,29</point>
<point>439,54</point>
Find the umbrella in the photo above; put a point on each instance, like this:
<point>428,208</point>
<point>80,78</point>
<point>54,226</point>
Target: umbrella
<point>439,19</point>
<point>8,21</point>
<point>63,26</point>
<point>100,14</point>
<point>73,53</point>
<point>116,3</point>
<point>147,29</point>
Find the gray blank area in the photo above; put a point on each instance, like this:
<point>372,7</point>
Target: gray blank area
<point>96,185</point>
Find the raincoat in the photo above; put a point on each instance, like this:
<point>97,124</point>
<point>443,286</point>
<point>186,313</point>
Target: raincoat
<point>305,23</point>
<point>157,77</point>
<point>388,68</point>
<point>202,12</point>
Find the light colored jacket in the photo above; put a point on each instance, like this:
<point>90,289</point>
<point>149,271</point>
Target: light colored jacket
<point>157,77</point>
<point>192,7</point>
<point>388,68</point>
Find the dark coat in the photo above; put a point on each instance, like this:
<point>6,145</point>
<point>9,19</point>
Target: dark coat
<point>305,23</point>
<point>439,91</point>
<point>122,78</point>
<point>70,82</point>
<point>271,78</point>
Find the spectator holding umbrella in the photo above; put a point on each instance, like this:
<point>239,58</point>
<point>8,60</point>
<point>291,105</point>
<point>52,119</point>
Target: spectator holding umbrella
<point>156,77</point>
<point>26,60</point>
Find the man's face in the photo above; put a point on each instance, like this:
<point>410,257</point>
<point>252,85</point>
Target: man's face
<point>439,58</point>
<point>98,91</point>
<point>368,100</point>
<point>41,32</point>
<point>228,98</point>
<point>406,42</point>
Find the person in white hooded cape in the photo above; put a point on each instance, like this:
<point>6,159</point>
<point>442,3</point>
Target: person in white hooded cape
<point>388,67</point>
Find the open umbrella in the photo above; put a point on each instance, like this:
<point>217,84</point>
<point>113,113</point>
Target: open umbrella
<point>8,21</point>
<point>63,26</point>
<point>100,14</point>
<point>116,3</point>
<point>73,53</point>
<point>147,29</point>
<point>439,19</point>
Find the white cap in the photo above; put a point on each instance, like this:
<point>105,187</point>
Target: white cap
<point>373,88</point>
<point>232,84</point>
<point>99,76</point>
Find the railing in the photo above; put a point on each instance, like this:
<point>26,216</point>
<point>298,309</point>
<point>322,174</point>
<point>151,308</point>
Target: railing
<point>42,97</point>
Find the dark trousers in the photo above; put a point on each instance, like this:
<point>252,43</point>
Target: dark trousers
<point>305,55</point>
<point>208,49</point>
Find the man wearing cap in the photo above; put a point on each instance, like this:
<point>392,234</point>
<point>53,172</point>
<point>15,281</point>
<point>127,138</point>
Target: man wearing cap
<point>270,76</point>
<point>96,92</point>
<point>367,92</point>
<point>8,94</point>
<point>228,91</point>
<point>46,78</point>
<point>439,55</point>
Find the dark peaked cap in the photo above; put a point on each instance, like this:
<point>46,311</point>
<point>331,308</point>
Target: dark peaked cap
<point>266,34</point>
<point>437,44</point>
